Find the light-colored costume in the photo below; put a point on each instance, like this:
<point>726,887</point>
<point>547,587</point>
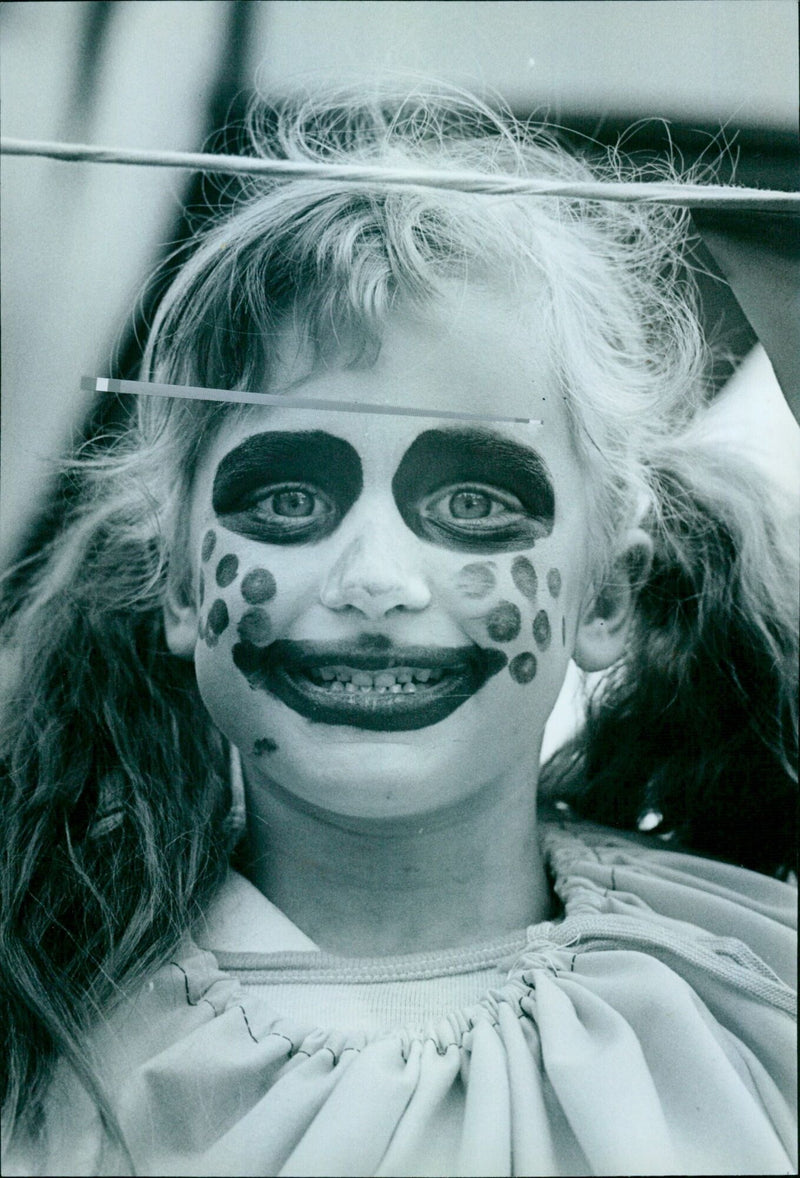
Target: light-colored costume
<point>648,1029</point>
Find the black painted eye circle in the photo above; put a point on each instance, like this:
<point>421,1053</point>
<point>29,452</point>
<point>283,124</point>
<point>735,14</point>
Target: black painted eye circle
<point>470,505</point>
<point>295,503</point>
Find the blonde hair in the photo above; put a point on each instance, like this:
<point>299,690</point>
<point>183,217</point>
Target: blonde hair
<point>114,778</point>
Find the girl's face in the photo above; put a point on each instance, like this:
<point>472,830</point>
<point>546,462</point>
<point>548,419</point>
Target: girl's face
<point>386,604</point>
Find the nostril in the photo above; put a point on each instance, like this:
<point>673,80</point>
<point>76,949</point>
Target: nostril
<point>370,580</point>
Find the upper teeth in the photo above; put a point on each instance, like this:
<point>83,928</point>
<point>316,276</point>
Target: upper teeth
<point>398,679</point>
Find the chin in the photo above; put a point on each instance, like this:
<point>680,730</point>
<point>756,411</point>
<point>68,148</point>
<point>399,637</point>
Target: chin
<point>370,776</point>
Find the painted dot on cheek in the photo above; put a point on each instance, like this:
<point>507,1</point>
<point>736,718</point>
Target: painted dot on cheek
<point>216,622</point>
<point>255,627</point>
<point>476,580</point>
<point>554,582</point>
<point>258,586</point>
<point>541,630</point>
<point>524,576</point>
<point>264,745</point>
<point>522,667</point>
<point>503,622</point>
<point>227,569</point>
<point>209,543</point>
<point>218,616</point>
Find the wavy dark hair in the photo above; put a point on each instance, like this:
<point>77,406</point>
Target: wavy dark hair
<point>115,789</point>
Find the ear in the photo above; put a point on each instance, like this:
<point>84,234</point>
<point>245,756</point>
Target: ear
<point>606,616</point>
<point>180,622</point>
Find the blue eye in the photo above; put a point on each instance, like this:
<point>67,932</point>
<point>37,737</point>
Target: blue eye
<point>473,516</point>
<point>470,505</point>
<point>473,507</point>
<point>287,514</point>
<point>295,503</point>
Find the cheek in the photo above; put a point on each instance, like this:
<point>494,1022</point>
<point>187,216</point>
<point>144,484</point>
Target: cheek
<point>255,627</point>
<point>216,622</point>
<point>238,608</point>
<point>476,581</point>
<point>523,574</point>
<point>504,622</point>
<point>524,617</point>
<point>235,625</point>
<point>541,629</point>
<point>522,667</point>
<point>258,586</point>
<point>227,570</point>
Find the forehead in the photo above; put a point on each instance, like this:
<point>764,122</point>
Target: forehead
<point>477,352</point>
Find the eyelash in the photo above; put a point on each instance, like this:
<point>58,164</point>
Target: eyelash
<point>515,527</point>
<point>255,518</point>
<point>508,502</point>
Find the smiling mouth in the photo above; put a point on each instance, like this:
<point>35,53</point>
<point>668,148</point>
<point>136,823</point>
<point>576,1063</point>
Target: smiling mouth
<point>390,689</point>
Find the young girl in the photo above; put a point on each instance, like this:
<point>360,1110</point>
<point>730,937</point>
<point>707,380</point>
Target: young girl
<point>326,641</point>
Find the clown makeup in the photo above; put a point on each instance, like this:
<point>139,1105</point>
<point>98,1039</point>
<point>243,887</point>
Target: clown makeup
<point>476,580</point>
<point>475,491</point>
<point>296,509</point>
<point>382,586</point>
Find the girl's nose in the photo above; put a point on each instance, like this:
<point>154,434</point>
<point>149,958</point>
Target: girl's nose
<point>371,576</point>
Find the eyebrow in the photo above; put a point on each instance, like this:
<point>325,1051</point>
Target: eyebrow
<point>106,384</point>
<point>276,456</point>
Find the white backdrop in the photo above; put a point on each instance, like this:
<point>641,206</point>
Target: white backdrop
<point>78,242</point>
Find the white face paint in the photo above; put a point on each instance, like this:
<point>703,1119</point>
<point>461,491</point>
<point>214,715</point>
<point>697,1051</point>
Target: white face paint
<point>389,602</point>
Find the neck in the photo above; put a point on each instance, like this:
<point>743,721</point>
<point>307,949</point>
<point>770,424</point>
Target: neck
<point>369,888</point>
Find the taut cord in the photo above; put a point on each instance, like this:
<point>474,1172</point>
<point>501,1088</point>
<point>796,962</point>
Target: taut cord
<point>708,196</point>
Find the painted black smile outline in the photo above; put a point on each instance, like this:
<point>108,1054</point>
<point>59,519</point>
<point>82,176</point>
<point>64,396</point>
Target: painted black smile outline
<point>282,670</point>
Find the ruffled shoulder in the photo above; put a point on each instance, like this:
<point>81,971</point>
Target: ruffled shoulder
<point>638,1033</point>
<point>596,869</point>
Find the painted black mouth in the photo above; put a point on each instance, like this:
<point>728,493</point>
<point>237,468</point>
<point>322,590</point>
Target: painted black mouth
<point>370,684</point>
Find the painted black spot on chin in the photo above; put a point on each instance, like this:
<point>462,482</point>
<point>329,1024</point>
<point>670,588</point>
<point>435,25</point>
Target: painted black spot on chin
<point>264,745</point>
<point>563,631</point>
<point>541,630</point>
<point>258,586</point>
<point>255,627</point>
<point>218,619</point>
<point>476,580</point>
<point>227,569</point>
<point>522,667</point>
<point>503,622</point>
<point>209,543</point>
<point>524,577</point>
<point>554,582</point>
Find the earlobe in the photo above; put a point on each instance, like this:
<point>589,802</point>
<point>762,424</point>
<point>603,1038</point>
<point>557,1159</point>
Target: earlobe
<point>607,615</point>
<point>180,624</point>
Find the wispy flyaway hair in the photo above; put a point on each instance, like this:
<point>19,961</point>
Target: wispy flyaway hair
<point>115,785</point>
